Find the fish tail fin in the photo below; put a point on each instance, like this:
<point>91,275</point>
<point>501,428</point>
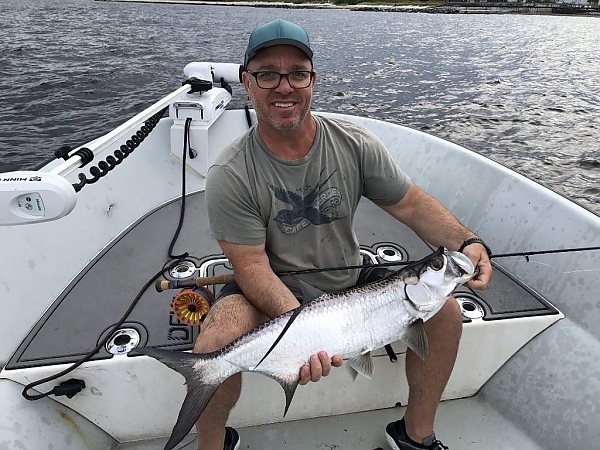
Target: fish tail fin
<point>198,393</point>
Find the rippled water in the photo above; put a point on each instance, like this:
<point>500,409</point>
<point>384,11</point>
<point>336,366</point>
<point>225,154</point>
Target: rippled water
<point>522,90</point>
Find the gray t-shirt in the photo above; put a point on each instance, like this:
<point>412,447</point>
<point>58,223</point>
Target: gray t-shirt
<point>302,210</point>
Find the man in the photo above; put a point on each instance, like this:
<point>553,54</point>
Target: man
<point>261,195</point>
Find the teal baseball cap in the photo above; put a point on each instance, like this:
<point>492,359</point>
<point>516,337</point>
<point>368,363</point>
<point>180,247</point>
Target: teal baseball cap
<point>278,32</point>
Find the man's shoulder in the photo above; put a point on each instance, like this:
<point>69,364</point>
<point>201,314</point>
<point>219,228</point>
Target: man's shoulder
<point>235,151</point>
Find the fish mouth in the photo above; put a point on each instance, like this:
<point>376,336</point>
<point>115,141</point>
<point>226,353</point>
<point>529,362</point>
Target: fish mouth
<point>436,280</point>
<point>461,267</point>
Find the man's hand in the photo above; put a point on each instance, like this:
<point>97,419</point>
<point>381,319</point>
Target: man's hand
<point>319,366</point>
<point>480,259</point>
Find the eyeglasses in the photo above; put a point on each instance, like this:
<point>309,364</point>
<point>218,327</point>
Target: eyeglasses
<point>299,79</point>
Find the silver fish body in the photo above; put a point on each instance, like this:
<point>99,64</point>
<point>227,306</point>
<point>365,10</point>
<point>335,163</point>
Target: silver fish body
<point>349,323</point>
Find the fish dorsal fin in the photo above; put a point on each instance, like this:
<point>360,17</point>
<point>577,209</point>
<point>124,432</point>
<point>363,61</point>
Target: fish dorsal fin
<point>362,364</point>
<point>310,293</point>
<point>416,339</point>
<point>288,324</point>
<point>289,383</point>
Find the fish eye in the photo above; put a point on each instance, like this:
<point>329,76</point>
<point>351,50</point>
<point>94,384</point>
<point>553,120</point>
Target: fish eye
<point>437,264</point>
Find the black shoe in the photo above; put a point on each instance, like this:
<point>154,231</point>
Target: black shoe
<point>232,439</point>
<point>398,439</point>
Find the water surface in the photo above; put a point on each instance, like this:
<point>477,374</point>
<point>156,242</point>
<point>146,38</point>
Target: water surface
<point>519,89</point>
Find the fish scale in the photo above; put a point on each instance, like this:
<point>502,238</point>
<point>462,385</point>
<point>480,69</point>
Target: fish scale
<point>349,323</point>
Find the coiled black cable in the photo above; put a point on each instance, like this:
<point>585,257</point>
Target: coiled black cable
<point>111,161</point>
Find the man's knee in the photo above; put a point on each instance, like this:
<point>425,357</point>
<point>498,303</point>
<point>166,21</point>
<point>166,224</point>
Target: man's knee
<point>448,319</point>
<point>452,309</point>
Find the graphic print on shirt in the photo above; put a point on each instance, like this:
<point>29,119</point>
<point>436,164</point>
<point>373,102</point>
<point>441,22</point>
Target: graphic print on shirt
<point>317,207</point>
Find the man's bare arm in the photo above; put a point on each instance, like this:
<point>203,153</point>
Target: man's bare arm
<point>267,293</point>
<point>434,223</point>
<point>257,280</point>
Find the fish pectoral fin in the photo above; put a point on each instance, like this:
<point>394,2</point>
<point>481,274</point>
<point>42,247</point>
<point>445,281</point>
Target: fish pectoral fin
<point>289,383</point>
<point>362,364</point>
<point>353,372</point>
<point>416,339</point>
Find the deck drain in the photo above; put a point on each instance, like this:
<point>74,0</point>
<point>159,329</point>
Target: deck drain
<point>389,254</point>
<point>470,309</point>
<point>123,341</point>
<point>184,269</point>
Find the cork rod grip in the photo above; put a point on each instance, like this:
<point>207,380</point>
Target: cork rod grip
<point>164,285</point>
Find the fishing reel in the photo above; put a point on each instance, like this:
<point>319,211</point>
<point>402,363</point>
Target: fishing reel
<point>194,300</point>
<point>191,305</point>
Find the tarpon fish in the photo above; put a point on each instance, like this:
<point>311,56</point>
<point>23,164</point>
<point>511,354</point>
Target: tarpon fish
<point>350,323</point>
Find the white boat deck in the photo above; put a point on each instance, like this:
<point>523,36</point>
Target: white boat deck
<point>460,424</point>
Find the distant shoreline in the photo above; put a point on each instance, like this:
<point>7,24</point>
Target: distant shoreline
<point>451,8</point>
<point>282,4</point>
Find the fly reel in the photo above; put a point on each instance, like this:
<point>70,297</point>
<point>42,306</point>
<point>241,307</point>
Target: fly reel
<point>192,305</point>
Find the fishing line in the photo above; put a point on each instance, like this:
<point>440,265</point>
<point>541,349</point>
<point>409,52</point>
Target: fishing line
<point>405,263</point>
<point>358,266</point>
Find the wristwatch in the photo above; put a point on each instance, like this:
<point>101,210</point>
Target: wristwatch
<point>475,240</point>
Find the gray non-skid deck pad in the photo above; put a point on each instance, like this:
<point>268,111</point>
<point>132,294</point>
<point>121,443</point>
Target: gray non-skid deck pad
<point>98,297</point>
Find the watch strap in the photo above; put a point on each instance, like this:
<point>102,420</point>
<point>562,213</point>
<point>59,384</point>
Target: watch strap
<point>475,240</point>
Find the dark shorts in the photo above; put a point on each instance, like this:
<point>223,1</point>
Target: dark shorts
<point>304,292</point>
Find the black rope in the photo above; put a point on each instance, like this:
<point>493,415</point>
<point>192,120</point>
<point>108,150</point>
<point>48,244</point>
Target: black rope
<point>186,133</point>
<point>118,155</point>
<point>57,389</point>
<point>71,387</point>
<point>248,117</point>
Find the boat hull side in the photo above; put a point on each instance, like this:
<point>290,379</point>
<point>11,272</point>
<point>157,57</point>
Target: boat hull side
<point>45,422</point>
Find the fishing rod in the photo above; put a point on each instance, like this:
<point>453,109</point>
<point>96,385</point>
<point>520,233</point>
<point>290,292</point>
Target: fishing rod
<point>545,252</point>
<point>163,285</point>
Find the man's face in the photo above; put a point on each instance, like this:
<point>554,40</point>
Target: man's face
<point>284,108</point>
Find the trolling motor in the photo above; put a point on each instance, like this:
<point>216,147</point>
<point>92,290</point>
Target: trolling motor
<point>195,114</point>
<point>42,196</point>
<point>29,196</point>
